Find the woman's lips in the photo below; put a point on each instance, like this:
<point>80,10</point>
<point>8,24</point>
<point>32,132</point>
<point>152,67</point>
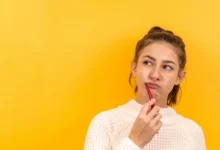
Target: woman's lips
<point>153,85</point>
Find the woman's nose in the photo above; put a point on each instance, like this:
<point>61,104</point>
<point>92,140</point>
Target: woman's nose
<point>154,74</point>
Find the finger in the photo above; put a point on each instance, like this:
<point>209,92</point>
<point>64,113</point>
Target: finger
<point>153,112</point>
<point>157,127</point>
<point>156,119</point>
<point>152,106</point>
<point>146,107</point>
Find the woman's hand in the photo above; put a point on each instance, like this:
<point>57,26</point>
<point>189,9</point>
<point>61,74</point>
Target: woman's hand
<point>146,125</point>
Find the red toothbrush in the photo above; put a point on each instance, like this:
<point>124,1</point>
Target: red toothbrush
<point>149,93</point>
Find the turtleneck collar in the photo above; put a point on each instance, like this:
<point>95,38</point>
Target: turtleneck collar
<point>165,112</point>
<point>169,115</point>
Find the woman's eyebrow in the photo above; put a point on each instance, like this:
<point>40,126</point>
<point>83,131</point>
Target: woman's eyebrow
<point>169,61</point>
<point>164,61</point>
<point>150,57</point>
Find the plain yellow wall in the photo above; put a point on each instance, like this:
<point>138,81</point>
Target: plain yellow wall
<point>62,62</point>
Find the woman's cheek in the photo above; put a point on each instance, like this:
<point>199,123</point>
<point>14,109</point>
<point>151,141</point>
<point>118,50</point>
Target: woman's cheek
<point>140,81</point>
<point>169,86</point>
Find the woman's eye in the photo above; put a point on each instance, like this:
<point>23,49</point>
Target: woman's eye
<point>167,67</point>
<point>147,63</point>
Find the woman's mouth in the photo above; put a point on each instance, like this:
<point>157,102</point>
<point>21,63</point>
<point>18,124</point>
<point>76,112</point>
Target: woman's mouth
<point>152,85</point>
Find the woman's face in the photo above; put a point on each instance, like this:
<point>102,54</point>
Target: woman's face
<point>158,65</point>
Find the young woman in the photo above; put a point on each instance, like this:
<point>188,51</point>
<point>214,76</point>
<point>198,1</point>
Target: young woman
<point>150,124</point>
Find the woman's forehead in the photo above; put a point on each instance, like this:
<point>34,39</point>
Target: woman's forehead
<point>160,51</point>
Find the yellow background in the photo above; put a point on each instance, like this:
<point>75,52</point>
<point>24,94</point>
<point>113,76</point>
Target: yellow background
<point>62,62</point>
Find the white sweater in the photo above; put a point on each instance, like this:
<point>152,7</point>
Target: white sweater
<point>109,130</point>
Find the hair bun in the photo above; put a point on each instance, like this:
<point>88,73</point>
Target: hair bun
<point>157,29</point>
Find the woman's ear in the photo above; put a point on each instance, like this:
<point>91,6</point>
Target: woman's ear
<point>133,68</point>
<point>180,77</point>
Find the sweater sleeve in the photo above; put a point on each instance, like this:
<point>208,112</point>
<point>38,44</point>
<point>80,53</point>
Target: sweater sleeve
<point>127,144</point>
<point>98,137</point>
<point>199,139</point>
<point>196,133</point>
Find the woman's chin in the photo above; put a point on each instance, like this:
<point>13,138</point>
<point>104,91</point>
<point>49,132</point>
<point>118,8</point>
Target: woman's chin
<point>154,94</point>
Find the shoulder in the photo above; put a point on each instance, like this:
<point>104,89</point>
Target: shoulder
<point>115,117</point>
<point>195,131</point>
<point>191,124</point>
<point>99,130</point>
<point>104,123</point>
<point>104,117</point>
<point>109,117</point>
<point>118,113</point>
<point>192,128</point>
